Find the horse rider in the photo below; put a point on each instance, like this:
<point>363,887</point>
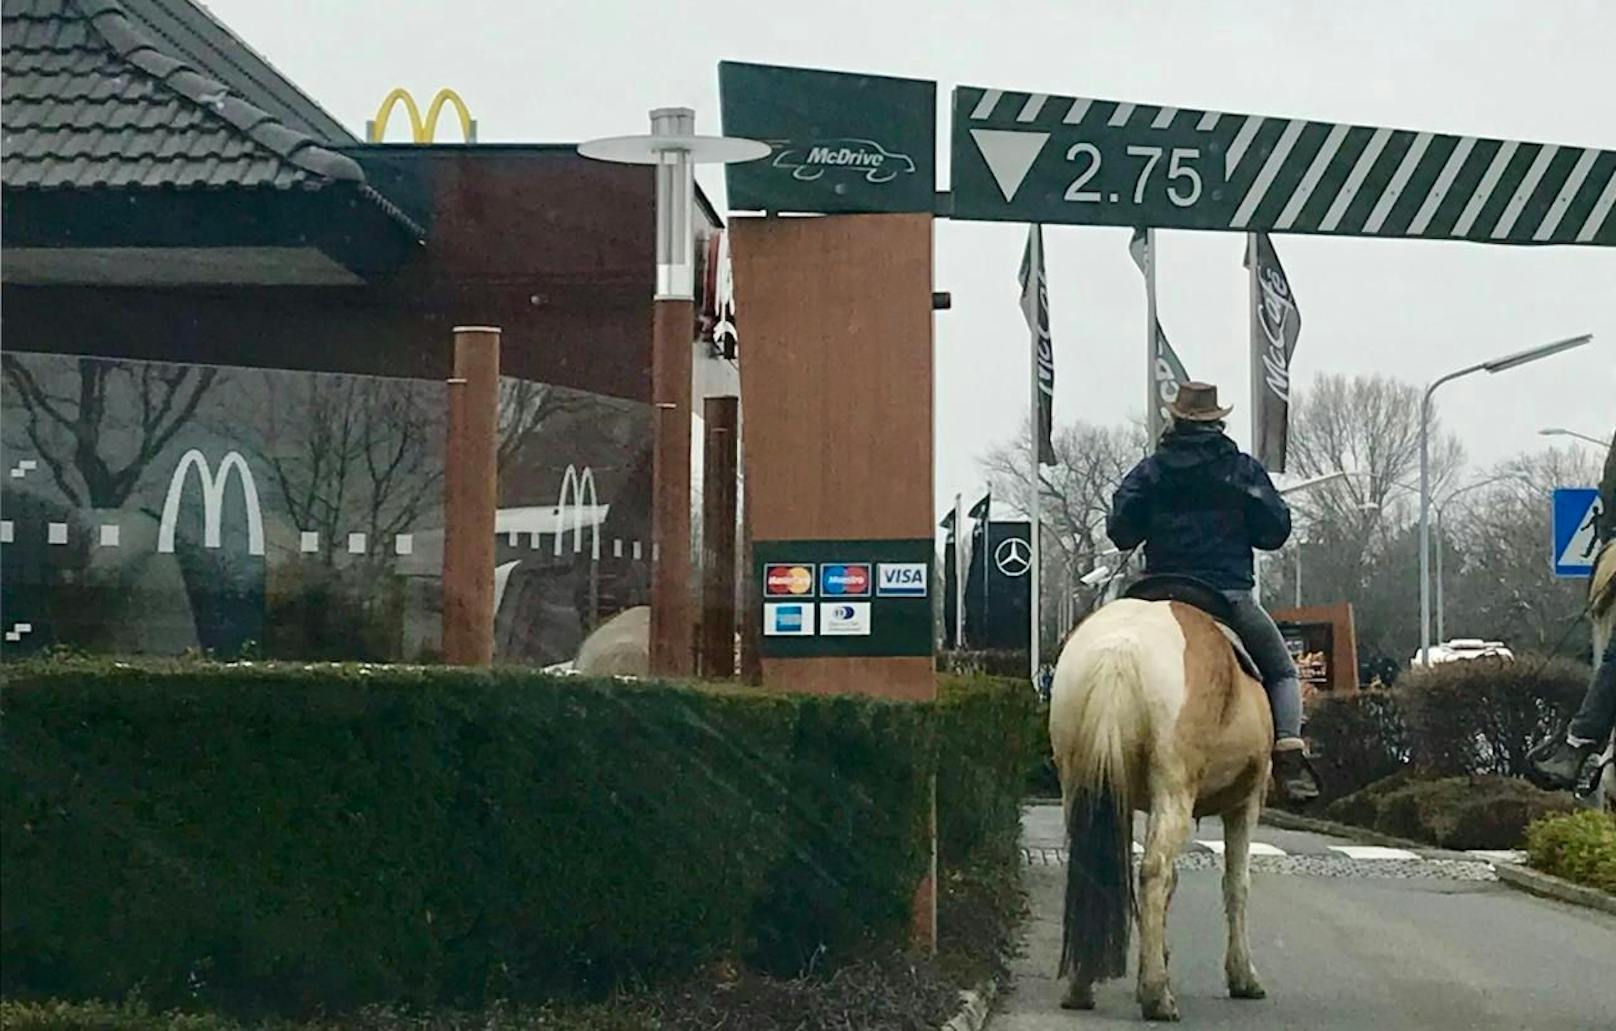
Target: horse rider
<point>1200,505</point>
<point>1557,762</point>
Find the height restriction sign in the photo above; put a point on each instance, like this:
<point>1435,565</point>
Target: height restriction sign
<point>1035,157</point>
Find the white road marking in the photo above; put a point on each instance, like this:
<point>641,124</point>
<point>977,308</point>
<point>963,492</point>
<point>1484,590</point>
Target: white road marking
<point>1373,852</point>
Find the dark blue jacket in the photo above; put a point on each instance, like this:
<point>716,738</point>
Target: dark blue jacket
<point>1199,505</point>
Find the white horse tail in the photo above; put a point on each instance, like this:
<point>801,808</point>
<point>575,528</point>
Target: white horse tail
<point>1101,703</point>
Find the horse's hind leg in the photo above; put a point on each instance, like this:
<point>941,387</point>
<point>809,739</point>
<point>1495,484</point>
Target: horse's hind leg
<point>1237,824</point>
<point>1169,829</point>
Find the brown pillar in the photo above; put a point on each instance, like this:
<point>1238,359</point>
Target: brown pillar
<point>471,494</point>
<point>751,659</point>
<point>837,377</point>
<point>721,415</point>
<point>672,623</point>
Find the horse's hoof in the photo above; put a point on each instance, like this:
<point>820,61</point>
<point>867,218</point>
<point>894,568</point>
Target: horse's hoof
<point>1078,998</point>
<point>1160,1006</point>
<point>1246,990</point>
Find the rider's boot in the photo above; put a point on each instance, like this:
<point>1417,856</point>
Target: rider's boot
<point>1291,771</point>
<point>1557,764</point>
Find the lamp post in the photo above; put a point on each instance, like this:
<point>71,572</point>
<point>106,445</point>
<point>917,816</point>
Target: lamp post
<point>1556,431</point>
<point>674,149</point>
<point>1492,367</point>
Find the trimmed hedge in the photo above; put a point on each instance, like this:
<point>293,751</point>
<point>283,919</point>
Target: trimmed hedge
<point>282,838</point>
<point>1580,847</point>
<point>1478,717</point>
<point>1357,739</point>
<point>991,734</point>
<point>1482,716</point>
<point>1452,812</point>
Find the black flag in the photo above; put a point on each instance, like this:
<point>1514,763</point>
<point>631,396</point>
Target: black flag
<point>1035,307</point>
<point>1275,326</point>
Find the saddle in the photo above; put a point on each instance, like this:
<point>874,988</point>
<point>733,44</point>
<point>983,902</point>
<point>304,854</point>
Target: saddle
<point>1198,594</point>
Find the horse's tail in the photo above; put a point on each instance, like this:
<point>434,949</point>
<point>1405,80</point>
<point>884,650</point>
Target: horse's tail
<point>1099,814</point>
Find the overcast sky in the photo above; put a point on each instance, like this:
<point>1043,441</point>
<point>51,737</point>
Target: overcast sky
<point>1524,69</point>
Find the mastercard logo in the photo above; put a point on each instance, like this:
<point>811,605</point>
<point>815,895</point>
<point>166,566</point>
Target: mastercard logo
<point>788,580</point>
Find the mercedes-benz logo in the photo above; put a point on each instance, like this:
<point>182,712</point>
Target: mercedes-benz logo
<point>1013,556</point>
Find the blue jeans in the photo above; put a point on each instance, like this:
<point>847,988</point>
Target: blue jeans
<point>1267,647</point>
<point>1594,720</point>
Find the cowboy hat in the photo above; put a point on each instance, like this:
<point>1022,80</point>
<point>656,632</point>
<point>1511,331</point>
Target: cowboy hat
<point>1198,402</point>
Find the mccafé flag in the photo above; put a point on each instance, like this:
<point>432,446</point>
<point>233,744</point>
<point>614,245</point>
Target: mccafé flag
<point>1169,371</point>
<point>1275,327</point>
<point>1035,307</point>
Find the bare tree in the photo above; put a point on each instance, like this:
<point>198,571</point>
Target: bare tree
<point>524,407</point>
<point>352,454</point>
<point>1076,491</point>
<point>97,435</point>
<point>1505,587</point>
<point>1369,426</point>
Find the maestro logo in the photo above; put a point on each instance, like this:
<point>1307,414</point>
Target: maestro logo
<point>788,579</point>
<point>859,157</point>
<point>845,580</point>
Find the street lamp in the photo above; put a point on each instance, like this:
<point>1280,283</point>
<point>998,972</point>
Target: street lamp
<point>1555,431</point>
<point>674,149</point>
<point>1496,365</point>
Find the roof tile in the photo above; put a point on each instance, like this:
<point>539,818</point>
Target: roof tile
<point>90,100</point>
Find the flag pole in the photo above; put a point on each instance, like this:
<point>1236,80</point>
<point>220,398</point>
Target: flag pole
<point>959,576</point>
<point>1252,308</point>
<point>1153,419</point>
<point>1256,393</point>
<point>1035,277</point>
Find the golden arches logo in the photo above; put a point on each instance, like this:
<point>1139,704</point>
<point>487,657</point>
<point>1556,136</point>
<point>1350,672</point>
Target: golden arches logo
<point>421,131</point>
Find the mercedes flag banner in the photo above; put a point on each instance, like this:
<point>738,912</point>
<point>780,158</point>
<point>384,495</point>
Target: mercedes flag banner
<point>1275,326</point>
<point>998,590</point>
<point>1169,371</point>
<point>1035,308</point>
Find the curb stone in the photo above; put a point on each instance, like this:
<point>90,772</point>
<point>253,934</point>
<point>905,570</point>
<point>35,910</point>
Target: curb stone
<point>974,1008</point>
<point>1313,825</point>
<point>1536,882</point>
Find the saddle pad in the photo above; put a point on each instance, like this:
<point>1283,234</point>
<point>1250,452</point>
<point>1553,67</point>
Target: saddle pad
<point>1247,663</point>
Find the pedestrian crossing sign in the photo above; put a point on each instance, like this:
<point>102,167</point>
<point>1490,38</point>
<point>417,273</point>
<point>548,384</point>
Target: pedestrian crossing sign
<point>1576,514</point>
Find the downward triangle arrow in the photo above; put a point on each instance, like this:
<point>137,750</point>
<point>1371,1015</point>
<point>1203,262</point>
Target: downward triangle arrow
<point>1009,155</point>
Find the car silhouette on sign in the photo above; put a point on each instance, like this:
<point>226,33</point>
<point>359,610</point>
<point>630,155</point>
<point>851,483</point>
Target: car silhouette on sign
<point>865,157</point>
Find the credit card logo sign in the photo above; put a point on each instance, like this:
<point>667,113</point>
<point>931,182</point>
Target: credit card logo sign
<point>901,580</point>
<point>844,618</point>
<point>845,580</point>
<point>788,579</point>
<point>793,619</point>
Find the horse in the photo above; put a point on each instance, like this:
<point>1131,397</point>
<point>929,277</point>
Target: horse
<point>1602,612</point>
<point>1152,709</point>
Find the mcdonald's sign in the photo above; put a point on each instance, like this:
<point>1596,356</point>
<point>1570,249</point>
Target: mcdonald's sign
<point>421,131</point>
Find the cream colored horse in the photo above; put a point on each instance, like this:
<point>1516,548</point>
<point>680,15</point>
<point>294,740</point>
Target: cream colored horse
<point>1150,710</point>
<point>1602,609</point>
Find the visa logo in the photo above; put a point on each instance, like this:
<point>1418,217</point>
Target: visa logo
<point>901,580</point>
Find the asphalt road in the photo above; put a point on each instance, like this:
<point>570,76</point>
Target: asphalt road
<point>1367,944</point>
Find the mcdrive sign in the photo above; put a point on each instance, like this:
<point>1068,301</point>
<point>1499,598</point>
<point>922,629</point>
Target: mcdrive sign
<point>840,143</point>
